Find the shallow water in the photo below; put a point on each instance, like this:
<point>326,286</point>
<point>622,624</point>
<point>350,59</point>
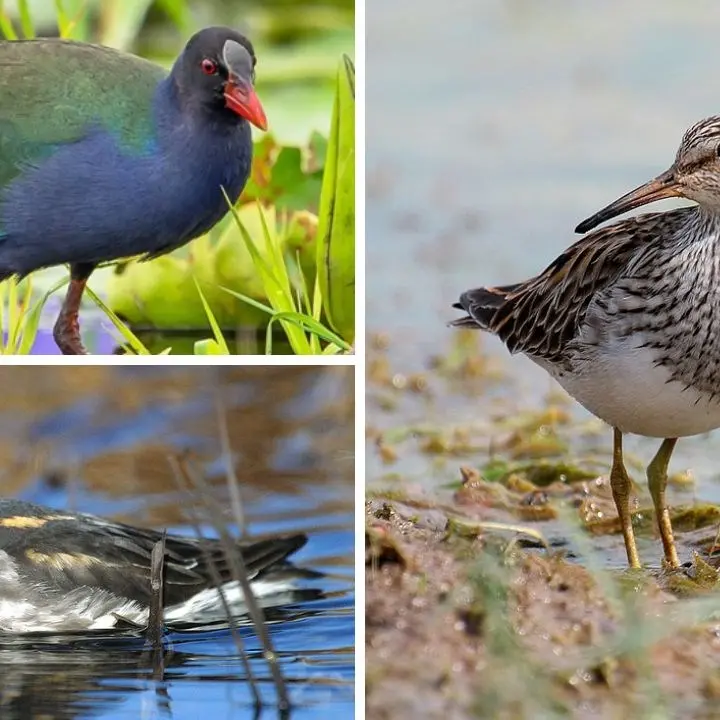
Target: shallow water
<point>493,128</point>
<point>98,440</point>
<point>102,338</point>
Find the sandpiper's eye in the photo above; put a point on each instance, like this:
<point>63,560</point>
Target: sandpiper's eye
<point>209,67</point>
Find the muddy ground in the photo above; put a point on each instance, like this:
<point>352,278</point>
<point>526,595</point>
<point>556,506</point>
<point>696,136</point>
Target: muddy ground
<point>498,589</point>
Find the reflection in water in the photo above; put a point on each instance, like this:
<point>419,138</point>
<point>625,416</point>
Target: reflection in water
<point>98,440</point>
<point>95,676</point>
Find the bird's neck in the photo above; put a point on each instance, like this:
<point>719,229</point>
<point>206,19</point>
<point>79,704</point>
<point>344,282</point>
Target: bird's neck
<point>213,153</point>
<point>192,135</point>
<point>183,109</point>
<point>705,222</point>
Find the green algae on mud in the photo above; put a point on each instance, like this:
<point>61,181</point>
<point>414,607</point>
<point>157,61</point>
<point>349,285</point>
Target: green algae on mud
<point>495,579</point>
<point>476,626</point>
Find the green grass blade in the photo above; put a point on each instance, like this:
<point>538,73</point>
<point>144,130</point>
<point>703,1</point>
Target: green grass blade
<point>67,24</point>
<point>25,315</point>
<point>276,257</point>
<point>14,315</point>
<point>61,18</point>
<point>33,317</point>
<point>273,287</point>
<point>278,292</point>
<point>304,322</point>
<point>121,21</point>
<point>336,214</point>
<point>217,333</point>
<point>128,335</point>
<point>307,323</point>
<point>296,335</point>
<point>334,350</point>
<point>3,294</point>
<point>26,23</point>
<point>305,299</point>
<point>250,301</point>
<point>6,26</point>
<point>20,319</point>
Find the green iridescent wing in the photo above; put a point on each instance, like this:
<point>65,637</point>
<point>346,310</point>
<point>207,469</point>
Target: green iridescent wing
<point>52,92</point>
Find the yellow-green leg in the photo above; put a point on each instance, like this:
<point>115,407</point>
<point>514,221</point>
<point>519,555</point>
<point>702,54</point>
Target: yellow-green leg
<point>621,486</point>
<point>657,481</point>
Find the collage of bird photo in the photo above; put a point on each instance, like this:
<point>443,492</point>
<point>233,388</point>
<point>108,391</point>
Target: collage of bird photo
<point>465,467</point>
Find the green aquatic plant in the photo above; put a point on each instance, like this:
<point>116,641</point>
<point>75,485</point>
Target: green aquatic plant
<point>19,317</point>
<point>291,305</point>
<point>336,231</point>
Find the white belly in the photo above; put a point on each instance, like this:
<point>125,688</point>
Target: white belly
<point>628,391</point>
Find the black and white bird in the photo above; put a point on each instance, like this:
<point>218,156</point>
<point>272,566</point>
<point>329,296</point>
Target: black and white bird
<point>64,572</point>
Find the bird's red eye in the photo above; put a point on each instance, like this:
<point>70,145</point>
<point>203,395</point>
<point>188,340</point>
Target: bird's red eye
<point>209,67</point>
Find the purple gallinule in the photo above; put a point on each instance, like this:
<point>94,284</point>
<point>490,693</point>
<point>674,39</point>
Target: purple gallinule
<point>104,155</point>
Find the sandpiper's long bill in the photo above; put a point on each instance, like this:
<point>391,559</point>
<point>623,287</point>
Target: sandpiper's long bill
<point>65,572</point>
<point>627,319</point>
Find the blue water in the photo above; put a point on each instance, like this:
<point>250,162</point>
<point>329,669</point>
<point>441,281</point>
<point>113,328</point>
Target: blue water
<point>97,439</point>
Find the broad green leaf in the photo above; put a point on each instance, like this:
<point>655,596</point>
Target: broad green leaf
<point>336,221</point>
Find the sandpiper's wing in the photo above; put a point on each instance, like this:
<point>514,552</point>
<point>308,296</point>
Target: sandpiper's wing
<point>65,550</point>
<point>540,316</point>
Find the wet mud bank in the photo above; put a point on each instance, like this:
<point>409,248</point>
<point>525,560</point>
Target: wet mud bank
<point>496,580</point>
<point>473,624</point>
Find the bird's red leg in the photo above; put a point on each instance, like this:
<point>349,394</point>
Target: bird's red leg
<point>67,327</point>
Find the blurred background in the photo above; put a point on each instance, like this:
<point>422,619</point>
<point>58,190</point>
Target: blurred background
<point>300,46</point>
<point>99,440</point>
<point>493,128</point>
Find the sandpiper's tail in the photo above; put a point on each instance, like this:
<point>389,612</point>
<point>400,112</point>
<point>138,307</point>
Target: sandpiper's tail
<point>481,306</point>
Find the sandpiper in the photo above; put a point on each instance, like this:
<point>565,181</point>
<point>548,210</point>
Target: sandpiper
<point>627,319</point>
<point>65,572</point>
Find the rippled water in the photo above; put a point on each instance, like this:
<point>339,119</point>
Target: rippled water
<point>493,128</point>
<point>98,439</point>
